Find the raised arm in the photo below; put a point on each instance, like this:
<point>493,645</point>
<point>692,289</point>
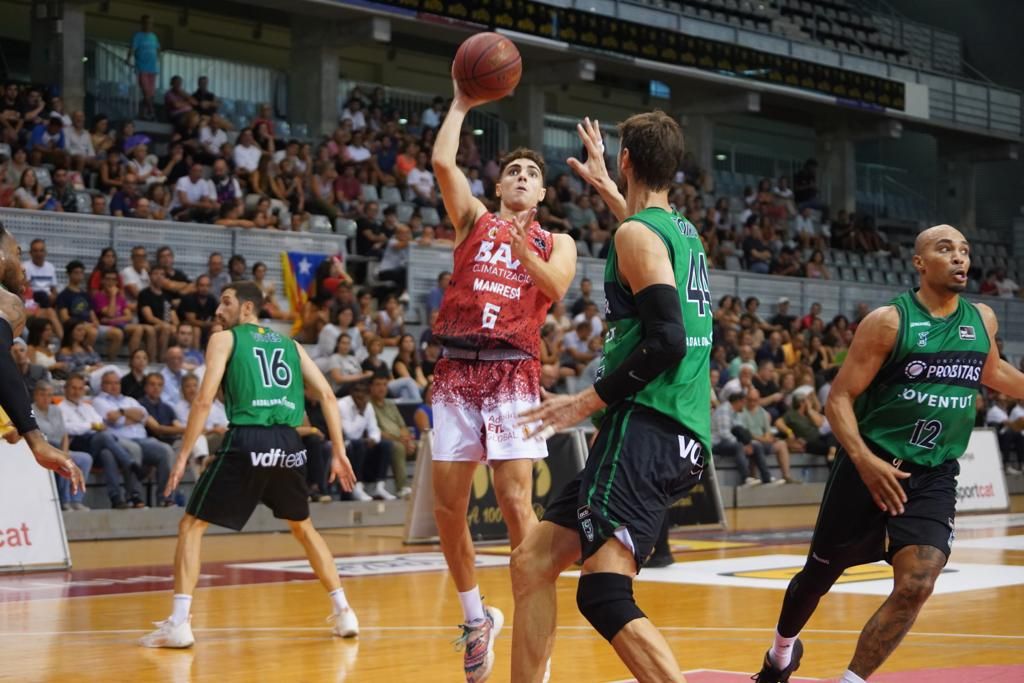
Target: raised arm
<point>459,201</point>
<point>341,468</point>
<point>872,344</point>
<point>594,171</point>
<point>553,276</point>
<point>218,351</point>
<point>645,267</point>
<point>997,373</point>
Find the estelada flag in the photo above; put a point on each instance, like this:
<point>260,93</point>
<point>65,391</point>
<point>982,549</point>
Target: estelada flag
<point>299,275</point>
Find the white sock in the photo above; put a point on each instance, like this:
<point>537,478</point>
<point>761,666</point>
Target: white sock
<point>782,651</point>
<point>338,600</point>
<point>472,605</point>
<point>182,606</point>
<point>850,677</point>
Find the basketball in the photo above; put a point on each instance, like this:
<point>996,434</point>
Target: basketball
<point>487,66</point>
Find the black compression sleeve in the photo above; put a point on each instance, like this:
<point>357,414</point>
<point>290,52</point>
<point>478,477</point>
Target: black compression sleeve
<point>13,397</point>
<point>663,345</point>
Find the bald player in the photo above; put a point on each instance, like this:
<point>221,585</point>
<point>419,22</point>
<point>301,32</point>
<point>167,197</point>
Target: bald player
<point>13,397</point>
<point>902,407</point>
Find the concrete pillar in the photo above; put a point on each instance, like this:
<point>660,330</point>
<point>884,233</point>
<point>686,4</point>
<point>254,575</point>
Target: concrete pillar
<point>837,179</point>
<point>57,49</point>
<point>699,138</point>
<point>313,75</point>
<point>524,113</point>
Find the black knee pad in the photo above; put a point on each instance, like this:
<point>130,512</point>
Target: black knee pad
<point>606,600</point>
<point>816,578</point>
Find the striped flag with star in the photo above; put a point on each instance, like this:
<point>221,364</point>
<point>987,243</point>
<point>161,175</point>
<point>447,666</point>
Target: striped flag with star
<point>299,275</point>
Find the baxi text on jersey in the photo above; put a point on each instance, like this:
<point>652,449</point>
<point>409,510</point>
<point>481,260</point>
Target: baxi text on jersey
<point>507,291</point>
<point>936,401</point>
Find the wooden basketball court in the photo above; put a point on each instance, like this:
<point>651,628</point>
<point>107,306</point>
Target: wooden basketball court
<point>717,606</point>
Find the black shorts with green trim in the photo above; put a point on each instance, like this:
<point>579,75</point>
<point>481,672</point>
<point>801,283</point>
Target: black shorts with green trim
<point>852,530</point>
<point>641,463</point>
<point>255,465</point>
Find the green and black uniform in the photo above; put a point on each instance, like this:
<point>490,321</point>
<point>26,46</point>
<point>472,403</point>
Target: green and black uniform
<point>262,459</point>
<point>918,413</point>
<point>652,447</point>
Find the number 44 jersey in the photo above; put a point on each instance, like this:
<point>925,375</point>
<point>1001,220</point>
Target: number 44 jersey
<point>263,380</point>
<point>921,405</point>
<point>491,301</point>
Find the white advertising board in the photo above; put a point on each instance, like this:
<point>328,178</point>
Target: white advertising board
<point>981,484</point>
<point>31,526</point>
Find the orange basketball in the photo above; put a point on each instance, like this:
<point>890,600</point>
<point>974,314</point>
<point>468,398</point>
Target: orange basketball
<point>487,66</point>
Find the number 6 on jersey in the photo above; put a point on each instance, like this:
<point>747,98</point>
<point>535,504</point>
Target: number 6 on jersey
<point>490,316</point>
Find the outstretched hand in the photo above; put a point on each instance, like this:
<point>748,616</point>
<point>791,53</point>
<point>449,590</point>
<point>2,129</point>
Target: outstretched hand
<point>519,228</point>
<point>559,411</point>
<point>593,171</point>
<point>341,470</point>
<point>461,98</point>
<point>58,461</point>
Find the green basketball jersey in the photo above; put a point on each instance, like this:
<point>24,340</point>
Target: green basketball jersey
<point>263,381</point>
<point>920,406</point>
<point>684,392</point>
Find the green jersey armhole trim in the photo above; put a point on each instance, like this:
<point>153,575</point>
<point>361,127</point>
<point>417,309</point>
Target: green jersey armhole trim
<point>664,240</point>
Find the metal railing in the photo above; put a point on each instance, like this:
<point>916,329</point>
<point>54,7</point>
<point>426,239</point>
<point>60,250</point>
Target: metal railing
<point>110,80</point>
<point>72,236</point>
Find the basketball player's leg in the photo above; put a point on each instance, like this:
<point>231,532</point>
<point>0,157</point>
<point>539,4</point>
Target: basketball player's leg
<point>915,569</point>
<point>513,487</point>
<point>547,551</point>
<point>452,482</point>
<point>186,554</point>
<point>605,597</point>
<point>319,555</point>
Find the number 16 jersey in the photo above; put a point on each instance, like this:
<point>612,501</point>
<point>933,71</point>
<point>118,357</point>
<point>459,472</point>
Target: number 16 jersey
<point>491,301</point>
<point>263,383</point>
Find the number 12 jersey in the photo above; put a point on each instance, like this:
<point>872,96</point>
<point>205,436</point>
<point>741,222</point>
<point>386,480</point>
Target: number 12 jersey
<point>491,301</point>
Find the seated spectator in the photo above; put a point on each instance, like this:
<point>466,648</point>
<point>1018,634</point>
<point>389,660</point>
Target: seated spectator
<point>756,420</point>
<point>816,268</point>
<point>394,260</point>
<point>175,281</point>
<point>264,116</point>
<point>11,122</point>
<point>423,184</point>
<point>133,381</point>
<point>232,215</point>
<point>393,429</point>
<point>812,318</point>
<point>557,316</point>
<point>31,373</point>
<point>322,199</point>
<point>1005,287</point>
<point>61,192</point>
<point>586,289</point>
<point>126,419</point>
<point>156,311</point>
<point>216,426</point>
<point>40,336</point>
<point>371,238</point>
<point>756,252</point>
<point>77,355</point>
<point>314,316</point>
<point>206,102</point>
<point>246,154</point>
<point>436,295</point>
<point>389,322</point>
<point>365,444</point>
<point>46,143</point>
<point>590,315</point>
<point>576,347</point>
<point>177,102</point>
<point>342,368</point>
<point>51,424</point>
<point>111,173</point>
<point>124,200</point>
<point>173,373</point>
<point>177,163</point>
<point>41,274</point>
<point>73,304</point>
<point>1009,431</point>
<point>163,423</point>
<point>106,263</point>
<point>225,186</point>
<point>199,309</point>
<point>186,340</point>
<point>102,140</point>
<point>407,363</point>
<point>740,383</point>
<point>803,423</point>
<point>29,194</point>
<point>88,433</point>
<point>135,276</point>
<point>157,204</point>
<point>144,167</point>
<point>195,198</point>
<point>423,418</point>
<point>729,437</point>
<point>113,311</point>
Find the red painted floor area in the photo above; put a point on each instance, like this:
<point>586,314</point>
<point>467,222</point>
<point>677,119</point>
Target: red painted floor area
<point>966,674</point>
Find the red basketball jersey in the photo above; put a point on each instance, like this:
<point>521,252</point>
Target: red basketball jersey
<point>491,301</point>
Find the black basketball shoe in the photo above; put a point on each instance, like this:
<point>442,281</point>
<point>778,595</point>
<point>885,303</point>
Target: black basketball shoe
<point>770,674</point>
